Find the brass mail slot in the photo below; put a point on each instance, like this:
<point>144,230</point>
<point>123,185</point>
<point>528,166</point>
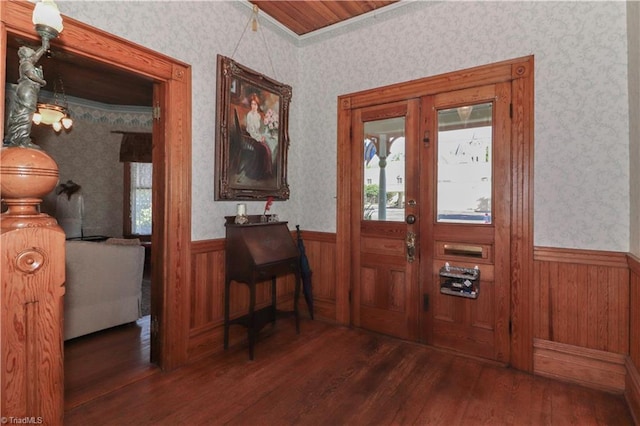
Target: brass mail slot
<point>463,250</point>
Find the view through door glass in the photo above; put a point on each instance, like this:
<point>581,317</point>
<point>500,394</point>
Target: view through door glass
<point>465,164</point>
<point>384,170</point>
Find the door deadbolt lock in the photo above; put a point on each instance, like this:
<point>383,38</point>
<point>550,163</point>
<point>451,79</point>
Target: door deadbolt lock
<point>411,219</point>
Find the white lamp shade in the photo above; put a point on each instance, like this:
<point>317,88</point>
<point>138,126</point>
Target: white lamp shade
<point>67,122</point>
<point>46,13</point>
<point>49,115</point>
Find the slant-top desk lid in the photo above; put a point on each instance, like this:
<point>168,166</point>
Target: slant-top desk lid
<point>257,246</point>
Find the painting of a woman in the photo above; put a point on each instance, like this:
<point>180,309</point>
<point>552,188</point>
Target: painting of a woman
<point>252,141</point>
<point>258,143</point>
<point>262,164</point>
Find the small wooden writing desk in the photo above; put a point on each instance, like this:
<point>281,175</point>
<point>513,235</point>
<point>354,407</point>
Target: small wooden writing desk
<point>256,252</point>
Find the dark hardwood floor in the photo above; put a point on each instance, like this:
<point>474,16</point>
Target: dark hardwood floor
<point>103,362</point>
<point>327,375</point>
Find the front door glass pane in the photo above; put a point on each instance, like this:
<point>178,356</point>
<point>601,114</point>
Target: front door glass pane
<point>464,164</point>
<point>384,176</point>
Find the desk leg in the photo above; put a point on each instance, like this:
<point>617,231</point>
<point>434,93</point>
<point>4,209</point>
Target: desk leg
<point>227,285</point>
<point>252,324</point>
<point>296,296</point>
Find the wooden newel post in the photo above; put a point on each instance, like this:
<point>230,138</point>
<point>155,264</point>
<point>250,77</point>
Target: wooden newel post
<point>31,297</point>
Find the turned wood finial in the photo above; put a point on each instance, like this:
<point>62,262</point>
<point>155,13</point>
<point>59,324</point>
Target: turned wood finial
<point>26,175</point>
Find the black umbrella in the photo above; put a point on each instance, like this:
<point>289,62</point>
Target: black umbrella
<point>305,274</point>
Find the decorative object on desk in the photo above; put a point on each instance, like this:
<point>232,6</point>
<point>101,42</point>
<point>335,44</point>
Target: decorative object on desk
<point>305,273</point>
<point>241,214</point>
<point>253,140</point>
<point>267,207</point>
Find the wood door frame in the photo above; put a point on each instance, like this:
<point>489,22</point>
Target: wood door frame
<point>519,72</point>
<point>171,160</point>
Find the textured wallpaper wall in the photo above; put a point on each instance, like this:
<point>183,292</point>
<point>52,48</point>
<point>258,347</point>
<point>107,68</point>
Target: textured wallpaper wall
<point>581,100</point>
<point>633,25</point>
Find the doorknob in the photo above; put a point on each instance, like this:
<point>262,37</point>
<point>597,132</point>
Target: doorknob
<point>411,219</point>
<point>411,246</point>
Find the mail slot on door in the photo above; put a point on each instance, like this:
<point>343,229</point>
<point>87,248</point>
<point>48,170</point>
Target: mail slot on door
<point>461,282</point>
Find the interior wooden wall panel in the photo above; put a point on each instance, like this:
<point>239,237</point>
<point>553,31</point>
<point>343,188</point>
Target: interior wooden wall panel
<point>634,310</point>
<point>632,388</point>
<point>320,248</point>
<point>582,300</point>
<point>207,283</point>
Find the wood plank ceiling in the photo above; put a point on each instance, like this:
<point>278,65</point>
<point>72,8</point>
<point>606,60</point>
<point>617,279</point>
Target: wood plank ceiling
<point>303,17</point>
<point>86,79</point>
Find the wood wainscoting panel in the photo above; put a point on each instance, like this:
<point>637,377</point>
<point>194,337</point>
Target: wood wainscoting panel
<point>632,391</point>
<point>581,298</point>
<point>206,291</point>
<point>588,367</point>
<point>634,310</point>
<point>320,248</point>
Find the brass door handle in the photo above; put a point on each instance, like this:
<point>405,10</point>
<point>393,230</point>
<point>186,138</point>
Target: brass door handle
<point>411,246</point>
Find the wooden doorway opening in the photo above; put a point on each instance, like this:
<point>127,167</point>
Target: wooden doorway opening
<point>171,160</point>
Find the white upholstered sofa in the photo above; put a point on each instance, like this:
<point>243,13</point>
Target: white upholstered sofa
<point>103,285</point>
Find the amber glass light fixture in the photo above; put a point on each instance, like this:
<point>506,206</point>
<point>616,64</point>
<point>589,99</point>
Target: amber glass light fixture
<point>56,112</point>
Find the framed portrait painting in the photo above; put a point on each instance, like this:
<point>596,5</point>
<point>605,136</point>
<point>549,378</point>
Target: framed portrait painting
<point>252,141</point>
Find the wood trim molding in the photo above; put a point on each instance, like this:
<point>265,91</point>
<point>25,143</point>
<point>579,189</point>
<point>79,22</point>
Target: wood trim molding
<point>321,237</point>
<point>207,246</point>
<point>632,390</point>
<point>634,264</point>
<point>584,257</point>
<point>588,367</point>
<point>477,76</point>
<point>522,148</point>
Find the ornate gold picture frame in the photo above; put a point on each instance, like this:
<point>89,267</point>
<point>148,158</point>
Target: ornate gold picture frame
<point>252,141</point>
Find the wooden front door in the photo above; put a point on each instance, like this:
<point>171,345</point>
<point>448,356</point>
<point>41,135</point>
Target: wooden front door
<point>466,220</point>
<point>430,189</point>
<point>385,271</point>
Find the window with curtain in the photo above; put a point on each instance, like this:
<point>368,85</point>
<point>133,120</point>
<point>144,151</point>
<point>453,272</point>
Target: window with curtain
<point>139,197</point>
<point>136,154</point>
